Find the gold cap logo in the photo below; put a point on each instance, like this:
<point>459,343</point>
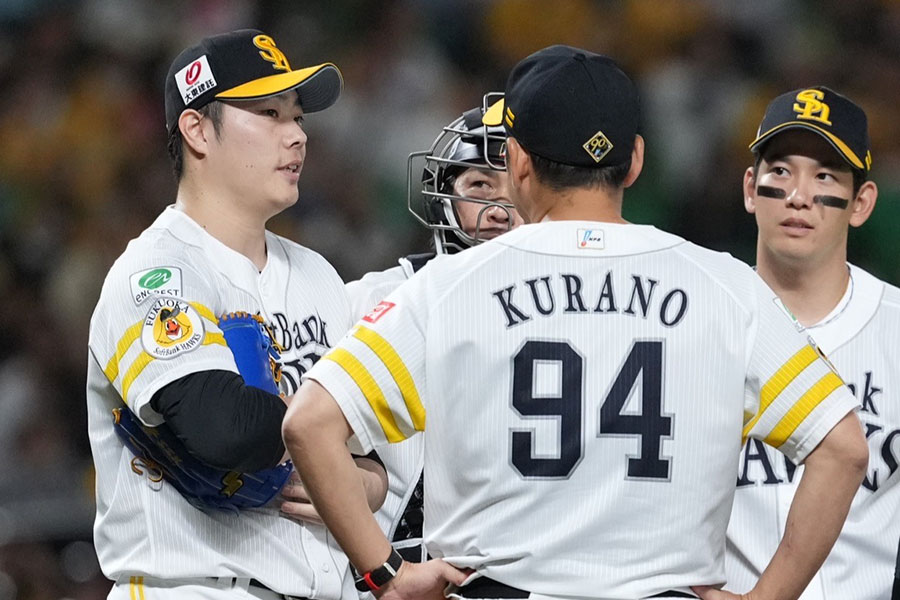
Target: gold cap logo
<point>598,146</point>
<point>271,53</point>
<point>809,106</point>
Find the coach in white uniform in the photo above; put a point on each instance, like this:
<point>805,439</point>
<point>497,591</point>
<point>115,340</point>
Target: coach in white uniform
<point>584,384</point>
<point>807,187</point>
<point>234,111</point>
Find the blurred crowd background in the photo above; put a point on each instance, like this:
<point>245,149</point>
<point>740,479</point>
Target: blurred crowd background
<point>83,167</point>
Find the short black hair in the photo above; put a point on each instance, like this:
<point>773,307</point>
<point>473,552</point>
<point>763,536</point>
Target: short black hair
<point>859,176</point>
<point>175,143</point>
<point>560,176</point>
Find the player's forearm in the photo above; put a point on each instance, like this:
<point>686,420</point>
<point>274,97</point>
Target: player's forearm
<point>315,433</point>
<point>832,474</point>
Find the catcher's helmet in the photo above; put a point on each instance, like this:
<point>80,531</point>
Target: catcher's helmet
<point>462,144</point>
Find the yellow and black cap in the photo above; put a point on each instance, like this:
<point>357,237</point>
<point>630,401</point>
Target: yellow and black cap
<point>822,110</point>
<point>244,65</point>
<point>571,106</point>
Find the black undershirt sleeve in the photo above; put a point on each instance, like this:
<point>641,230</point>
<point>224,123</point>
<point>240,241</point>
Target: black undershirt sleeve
<point>222,421</point>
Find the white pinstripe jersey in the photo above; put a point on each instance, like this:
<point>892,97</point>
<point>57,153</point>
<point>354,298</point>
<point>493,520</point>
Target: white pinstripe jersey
<point>146,528</point>
<point>586,387</point>
<point>403,462</point>
<point>860,339</point>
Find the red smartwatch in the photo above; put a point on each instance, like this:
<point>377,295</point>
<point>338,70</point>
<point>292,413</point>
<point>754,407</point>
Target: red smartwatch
<point>376,579</point>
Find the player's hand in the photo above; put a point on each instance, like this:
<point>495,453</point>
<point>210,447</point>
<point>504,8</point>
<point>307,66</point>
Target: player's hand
<point>422,581</point>
<point>296,505</point>
<point>707,592</point>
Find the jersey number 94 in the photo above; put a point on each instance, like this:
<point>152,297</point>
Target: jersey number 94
<point>650,425</point>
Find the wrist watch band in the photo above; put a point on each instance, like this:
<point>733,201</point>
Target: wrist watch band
<point>376,579</point>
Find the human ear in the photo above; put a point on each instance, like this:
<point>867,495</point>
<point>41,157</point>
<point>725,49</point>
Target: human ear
<point>192,132</point>
<point>637,161</point>
<point>750,190</point>
<point>864,203</point>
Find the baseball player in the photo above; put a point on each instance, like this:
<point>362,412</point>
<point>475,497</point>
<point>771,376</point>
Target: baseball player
<point>584,384</point>
<point>808,185</point>
<point>234,113</point>
<point>464,202</point>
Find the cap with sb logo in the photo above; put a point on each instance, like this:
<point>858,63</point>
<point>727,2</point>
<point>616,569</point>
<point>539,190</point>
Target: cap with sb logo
<point>822,110</point>
<point>243,65</point>
<point>571,106</point>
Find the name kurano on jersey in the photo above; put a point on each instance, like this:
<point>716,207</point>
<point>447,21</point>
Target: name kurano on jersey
<point>637,296</point>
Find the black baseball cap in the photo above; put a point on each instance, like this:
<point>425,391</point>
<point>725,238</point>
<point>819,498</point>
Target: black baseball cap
<point>244,65</point>
<point>571,106</point>
<point>822,110</point>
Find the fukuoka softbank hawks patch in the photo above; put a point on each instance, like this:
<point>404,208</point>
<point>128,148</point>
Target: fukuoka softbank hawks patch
<point>158,281</point>
<point>171,327</point>
<point>378,312</point>
<point>195,79</point>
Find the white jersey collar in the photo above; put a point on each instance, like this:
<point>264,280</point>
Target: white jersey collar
<point>589,238</point>
<point>235,266</point>
<point>856,308</point>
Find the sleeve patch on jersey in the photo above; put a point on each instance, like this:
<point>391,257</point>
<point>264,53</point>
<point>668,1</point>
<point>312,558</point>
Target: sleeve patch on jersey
<point>369,387</point>
<point>158,281</point>
<point>780,380</point>
<point>802,408</point>
<point>171,327</point>
<point>376,313</point>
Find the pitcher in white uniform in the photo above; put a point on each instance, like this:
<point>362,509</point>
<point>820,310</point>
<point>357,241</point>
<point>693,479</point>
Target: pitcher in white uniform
<point>234,112</point>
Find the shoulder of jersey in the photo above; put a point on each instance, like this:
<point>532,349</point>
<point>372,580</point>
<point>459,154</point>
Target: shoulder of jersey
<point>300,254</point>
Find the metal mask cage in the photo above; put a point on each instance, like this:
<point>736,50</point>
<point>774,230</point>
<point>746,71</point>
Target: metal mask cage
<point>431,200</point>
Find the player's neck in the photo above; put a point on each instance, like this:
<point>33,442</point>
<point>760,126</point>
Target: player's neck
<point>809,291</point>
<point>579,204</point>
<point>225,221</point>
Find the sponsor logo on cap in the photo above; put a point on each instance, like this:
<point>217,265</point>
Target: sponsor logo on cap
<point>809,106</point>
<point>591,239</point>
<point>598,146</point>
<point>195,79</point>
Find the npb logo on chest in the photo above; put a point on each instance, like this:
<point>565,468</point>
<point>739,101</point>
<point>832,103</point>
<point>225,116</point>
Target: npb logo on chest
<point>591,239</point>
<point>195,79</point>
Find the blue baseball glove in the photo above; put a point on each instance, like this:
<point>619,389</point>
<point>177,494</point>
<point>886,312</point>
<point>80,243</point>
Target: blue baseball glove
<point>159,451</point>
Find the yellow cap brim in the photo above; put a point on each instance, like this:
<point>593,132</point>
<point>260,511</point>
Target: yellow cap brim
<point>838,144</point>
<point>319,87</point>
<point>494,115</point>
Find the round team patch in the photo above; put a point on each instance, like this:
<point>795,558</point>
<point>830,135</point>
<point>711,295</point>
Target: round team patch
<point>171,327</point>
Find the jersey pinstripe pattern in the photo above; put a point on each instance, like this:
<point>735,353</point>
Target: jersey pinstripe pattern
<point>585,402</point>
<point>860,339</point>
<point>145,528</point>
<point>403,462</point>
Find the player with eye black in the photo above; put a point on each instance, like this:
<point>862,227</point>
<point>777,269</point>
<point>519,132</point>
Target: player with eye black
<point>808,186</point>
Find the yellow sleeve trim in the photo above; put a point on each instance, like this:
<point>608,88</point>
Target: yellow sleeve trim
<point>780,380</point>
<point>398,371</point>
<point>215,338</point>
<point>804,406</point>
<point>134,332</point>
<point>131,334</point>
<point>370,390</point>
<point>204,312</point>
<point>139,364</point>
